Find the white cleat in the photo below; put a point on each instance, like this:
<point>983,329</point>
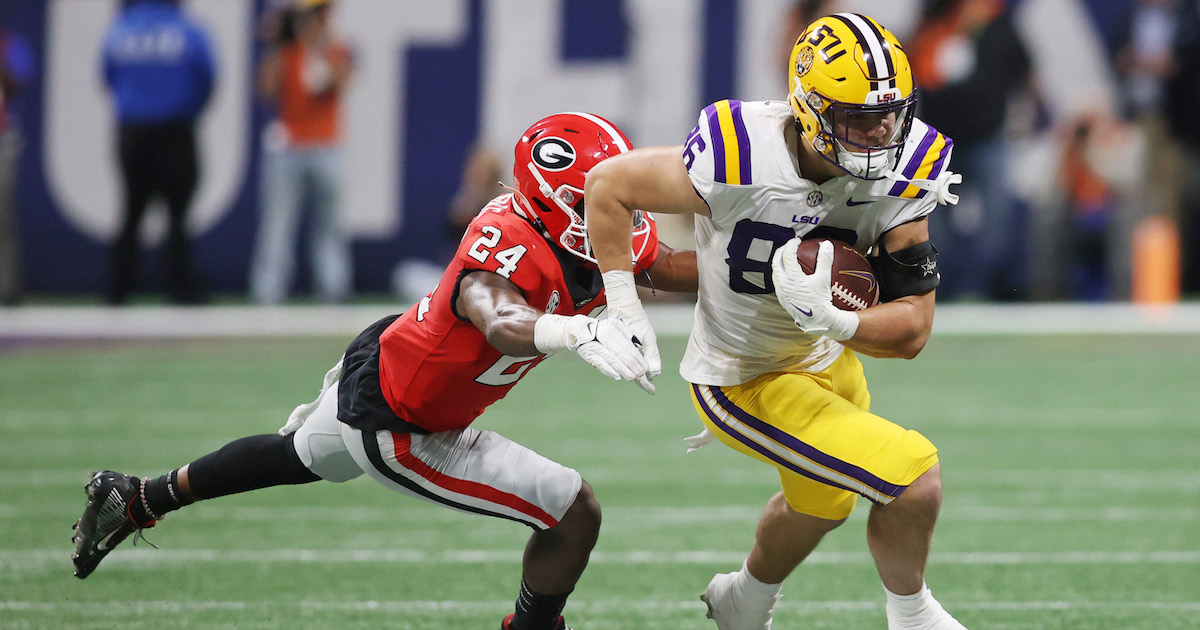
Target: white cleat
<point>734,609</point>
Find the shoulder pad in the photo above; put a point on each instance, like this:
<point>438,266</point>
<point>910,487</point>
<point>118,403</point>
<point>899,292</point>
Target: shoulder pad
<point>926,154</point>
<point>725,129</point>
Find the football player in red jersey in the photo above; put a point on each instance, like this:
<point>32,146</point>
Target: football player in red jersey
<point>399,405</point>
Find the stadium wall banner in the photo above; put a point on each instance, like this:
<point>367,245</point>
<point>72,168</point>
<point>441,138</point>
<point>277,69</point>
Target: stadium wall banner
<point>433,80</point>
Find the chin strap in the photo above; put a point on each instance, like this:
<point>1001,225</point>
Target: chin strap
<point>940,187</point>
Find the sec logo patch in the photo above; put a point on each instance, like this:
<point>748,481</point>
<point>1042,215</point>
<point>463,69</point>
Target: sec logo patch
<point>814,199</point>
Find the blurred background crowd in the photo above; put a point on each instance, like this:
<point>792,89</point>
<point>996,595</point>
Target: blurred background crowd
<point>271,151</point>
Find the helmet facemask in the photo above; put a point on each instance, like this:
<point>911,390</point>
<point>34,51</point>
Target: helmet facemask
<point>566,199</point>
<point>845,139</point>
<point>574,238</point>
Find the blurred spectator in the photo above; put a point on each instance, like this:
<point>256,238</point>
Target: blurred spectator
<point>17,67</point>
<point>1091,205</point>
<point>1159,40</point>
<point>305,74</point>
<point>969,60</point>
<point>480,184</point>
<point>159,65</point>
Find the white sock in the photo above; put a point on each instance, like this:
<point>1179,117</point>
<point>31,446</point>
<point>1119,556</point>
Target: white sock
<point>908,605</point>
<point>919,611</point>
<point>756,587</point>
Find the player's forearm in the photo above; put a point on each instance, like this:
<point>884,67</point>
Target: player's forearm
<point>672,271</point>
<point>610,221</point>
<point>511,330</point>
<point>894,330</point>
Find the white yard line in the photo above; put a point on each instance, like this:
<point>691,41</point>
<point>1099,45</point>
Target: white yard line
<point>590,606</point>
<point>13,560</point>
<point>97,322</point>
<point>625,517</point>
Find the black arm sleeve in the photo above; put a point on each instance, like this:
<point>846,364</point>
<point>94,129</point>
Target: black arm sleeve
<point>910,271</point>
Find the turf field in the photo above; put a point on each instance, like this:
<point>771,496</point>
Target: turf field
<point>1071,466</point>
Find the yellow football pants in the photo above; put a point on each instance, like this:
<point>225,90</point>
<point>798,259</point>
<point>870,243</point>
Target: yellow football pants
<point>817,429</point>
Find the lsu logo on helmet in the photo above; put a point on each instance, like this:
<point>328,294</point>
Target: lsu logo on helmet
<point>804,60</point>
<point>849,73</point>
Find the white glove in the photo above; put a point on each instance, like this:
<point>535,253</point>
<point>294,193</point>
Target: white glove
<point>807,297</point>
<point>607,344</point>
<point>623,303</point>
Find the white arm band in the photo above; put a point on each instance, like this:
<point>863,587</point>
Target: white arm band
<point>552,333</point>
<point>620,290</point>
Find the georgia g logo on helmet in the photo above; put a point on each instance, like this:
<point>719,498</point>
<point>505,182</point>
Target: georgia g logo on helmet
<point>553,154</point>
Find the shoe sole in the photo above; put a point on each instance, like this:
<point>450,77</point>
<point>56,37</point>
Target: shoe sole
<point>82,570</point>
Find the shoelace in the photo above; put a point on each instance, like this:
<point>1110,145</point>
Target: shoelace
<point>138,535</point>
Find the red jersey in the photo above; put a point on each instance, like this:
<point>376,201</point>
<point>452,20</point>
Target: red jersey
<point>436,369</point>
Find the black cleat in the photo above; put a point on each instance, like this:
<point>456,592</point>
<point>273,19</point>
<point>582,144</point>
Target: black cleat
<point>106,519</point>
<point>506,624</point>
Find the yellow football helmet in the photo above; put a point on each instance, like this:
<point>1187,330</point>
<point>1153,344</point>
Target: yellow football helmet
<point>851,91</point>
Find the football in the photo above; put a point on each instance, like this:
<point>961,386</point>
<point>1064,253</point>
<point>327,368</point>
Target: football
<point>852,280</point>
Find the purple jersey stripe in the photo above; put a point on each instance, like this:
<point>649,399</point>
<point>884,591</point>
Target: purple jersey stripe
<point>937,166</point>
<point>919,155</point>
<point>941,161</point>
<point>714,133</point>
<point>758,448</point>
<point>914,163</point>
<point>743,138</point>
<point>790,441</point>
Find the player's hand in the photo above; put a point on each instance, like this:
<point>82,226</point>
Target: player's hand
<point>624,304</point>
<point>607,344</point>
<point>614,351</point>
<point>807,297</point>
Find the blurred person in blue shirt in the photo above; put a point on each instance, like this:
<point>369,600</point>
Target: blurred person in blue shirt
<point>159,66</point>
<point>17,68</point>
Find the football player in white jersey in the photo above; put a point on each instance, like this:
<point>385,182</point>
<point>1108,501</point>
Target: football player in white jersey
<point>772,362</point>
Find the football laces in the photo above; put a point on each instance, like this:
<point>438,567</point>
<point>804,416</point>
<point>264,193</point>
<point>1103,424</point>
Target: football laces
<point>849,298</point>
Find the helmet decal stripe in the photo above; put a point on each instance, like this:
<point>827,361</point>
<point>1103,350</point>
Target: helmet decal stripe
<point>732,142</point>
<point>891,67</point>
<point>603,124</point>
<point>871,43</point>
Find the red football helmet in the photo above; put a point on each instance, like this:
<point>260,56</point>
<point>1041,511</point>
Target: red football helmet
<point>552,159</point>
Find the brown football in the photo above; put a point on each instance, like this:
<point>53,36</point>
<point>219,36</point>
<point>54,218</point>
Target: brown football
<point>852,280</point>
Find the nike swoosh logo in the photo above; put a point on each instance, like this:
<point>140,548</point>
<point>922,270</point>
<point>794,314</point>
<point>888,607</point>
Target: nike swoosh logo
<point>806,313</point>
<point>102,544</point>
<point>852,202</point>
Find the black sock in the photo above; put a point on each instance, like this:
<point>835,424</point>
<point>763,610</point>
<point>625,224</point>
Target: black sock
<point>163,494</point>
<point>250,463</point>
<point>537,612</point>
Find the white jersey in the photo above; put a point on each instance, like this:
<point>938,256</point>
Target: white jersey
<point>739,161</point>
